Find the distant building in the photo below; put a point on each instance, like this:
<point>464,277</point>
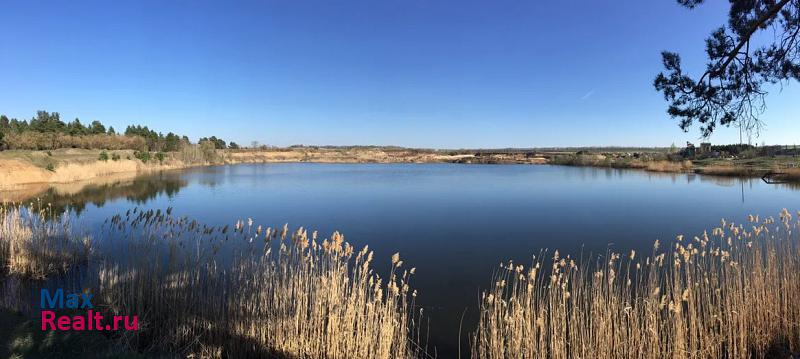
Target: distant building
<point>705,147</point>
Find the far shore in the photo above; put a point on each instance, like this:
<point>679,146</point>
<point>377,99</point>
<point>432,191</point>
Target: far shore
<point>21,169</point>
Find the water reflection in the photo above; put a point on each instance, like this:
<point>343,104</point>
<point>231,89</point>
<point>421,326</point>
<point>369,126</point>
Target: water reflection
<point>594,173</point>
<point>74,197</point>
<point>455,223</point>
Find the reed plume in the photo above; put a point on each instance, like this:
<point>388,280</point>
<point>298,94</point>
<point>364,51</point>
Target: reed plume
<point>730,293</point>
<point>240,291</point>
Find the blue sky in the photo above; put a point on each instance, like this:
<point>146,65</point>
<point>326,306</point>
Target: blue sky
<point>444,74</point>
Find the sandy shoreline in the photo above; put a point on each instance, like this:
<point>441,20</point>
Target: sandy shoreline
<point>22,170</point>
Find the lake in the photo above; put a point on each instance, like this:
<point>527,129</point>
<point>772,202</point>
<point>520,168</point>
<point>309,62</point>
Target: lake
<point>454,223</point>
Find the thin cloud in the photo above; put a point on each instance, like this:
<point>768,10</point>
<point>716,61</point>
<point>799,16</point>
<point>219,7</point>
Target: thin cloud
<point>587,95</point>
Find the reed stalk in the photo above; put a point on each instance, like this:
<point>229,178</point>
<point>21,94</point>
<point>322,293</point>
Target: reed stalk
<point>730,293</point>
<point>241,291</point>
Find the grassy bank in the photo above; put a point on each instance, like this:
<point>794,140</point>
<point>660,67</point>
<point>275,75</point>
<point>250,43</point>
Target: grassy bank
<point>19,168</point>
<point>22,167</point>
<point>655,163</point>
<point>787,166</point>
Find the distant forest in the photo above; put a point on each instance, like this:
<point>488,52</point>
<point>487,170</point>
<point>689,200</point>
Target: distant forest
<point>46,131</point>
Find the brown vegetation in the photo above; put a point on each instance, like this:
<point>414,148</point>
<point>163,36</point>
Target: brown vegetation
<point>15,172</point>
<point>277,293</point>
<point>31,140</point>
<point>792,173</point>
<point>33,246</point>
<point>25,167</point>
<point>728,169</point>
<point>728,294</point>
<point>667,166</point>
<point>656,162</point>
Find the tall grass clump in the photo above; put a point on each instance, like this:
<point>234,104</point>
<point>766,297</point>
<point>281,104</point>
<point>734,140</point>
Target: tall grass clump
<point>252,291</point>
<point>728,294</point>
<point>33,245</point>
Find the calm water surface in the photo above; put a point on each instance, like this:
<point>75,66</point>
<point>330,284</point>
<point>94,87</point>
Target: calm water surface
<point>455,223</point>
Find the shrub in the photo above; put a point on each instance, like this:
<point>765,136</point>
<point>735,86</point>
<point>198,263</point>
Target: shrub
<point>143,156</point>
<point>50,167</point>
<point>160,157</point>
<point>103,156</point>
<point>115,157</point>
<point>199,153</point>
<point>50,141</point>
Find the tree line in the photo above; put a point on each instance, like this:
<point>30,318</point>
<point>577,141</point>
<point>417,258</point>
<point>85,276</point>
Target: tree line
<point>46,131</point>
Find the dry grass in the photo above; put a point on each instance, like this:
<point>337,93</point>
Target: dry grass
<point>253,291</point>
<point>730,294</point>
<point>668,166</point>
<point>784,174</point>
<point>17,172</point>
<point>34,247</point>
<point>792,173</point>
<point>32,140</point>
<point>242,291</point>
<point>729,169</point>
<point>600,160</point>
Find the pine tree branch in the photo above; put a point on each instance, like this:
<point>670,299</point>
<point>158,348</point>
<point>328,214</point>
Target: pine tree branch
<point>743,40</point>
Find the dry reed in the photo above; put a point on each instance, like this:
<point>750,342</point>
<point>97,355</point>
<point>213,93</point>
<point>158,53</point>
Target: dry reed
<point>668,166</point>
<point>729,169</point>
<point>33,245</point>
<point>241,291</point>
<point>253,291</point>
<point>727,294</point>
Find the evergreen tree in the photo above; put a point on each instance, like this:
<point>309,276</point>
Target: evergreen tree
<point>18,126</point>
<point>171,142</point>
<point>731,89</point>
<point>47,122</point>
<point>76,128</point>
<point>97,128</point>
<point>50,122</point>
